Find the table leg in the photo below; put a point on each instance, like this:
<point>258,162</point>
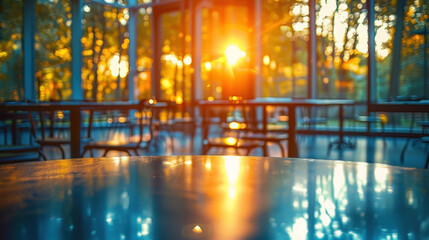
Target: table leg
<point>341,116</point>
<point>292,147</point>
<point>264,127</point>
<point>14,132</point>
<point>75,127</point>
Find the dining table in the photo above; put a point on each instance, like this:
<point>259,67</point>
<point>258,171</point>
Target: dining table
<point>212,197</point>
<point>290,103</point>
<point>75,108</point>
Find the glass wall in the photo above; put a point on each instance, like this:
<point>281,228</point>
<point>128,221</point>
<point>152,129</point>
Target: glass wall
<point>143,83</point>
<point>401,48</point>
<point>226,53</point>
<point>342,49</point>
<point>176,59</point>
<point>285,33</point>
<point>11,67</point>
<point>53,49</point>
<point>105,44</point>
<point>225,49</point>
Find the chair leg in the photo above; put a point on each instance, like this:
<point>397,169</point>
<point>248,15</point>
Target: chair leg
<point>105,152</point>
<point>192,138</point>
<point>282,149</point>
<point>236,151</point>
<point>83,152</point>
<point>128,152</point>
<point>42,155</point>
<point>136,152</point>
<point>205,150</point>
<point>404,149</point>
<point>249,150</point>
<point>265,149</point>
<point>63,154</point>
<point>427,162</point>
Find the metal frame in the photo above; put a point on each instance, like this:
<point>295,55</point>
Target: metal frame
<point>29,56</point>
<point>76,46</point>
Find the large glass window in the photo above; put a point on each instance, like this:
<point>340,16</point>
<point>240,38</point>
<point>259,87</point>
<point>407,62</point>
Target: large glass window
<point>285,33</point>
<point>226,55</point>
<point>11,85</point>
<point>175,58</point>
<point>53,49</point>
<point>10,50</point>
<point>144,54</point>
<point>401,57</point>
<point>105,44</point>
<point>342,49</point>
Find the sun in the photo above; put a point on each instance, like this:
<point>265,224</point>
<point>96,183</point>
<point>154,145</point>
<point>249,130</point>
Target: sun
<point>233,53</point>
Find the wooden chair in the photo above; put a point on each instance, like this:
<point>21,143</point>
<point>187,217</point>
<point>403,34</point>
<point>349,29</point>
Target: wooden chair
<point>230,139</point>
<point>272,133</point>
<point>50,128</point>
<point>311,117</point>
<point>231,128</point>
<point>17,151</point>
<point>133,142</point>
<point>181,122</point>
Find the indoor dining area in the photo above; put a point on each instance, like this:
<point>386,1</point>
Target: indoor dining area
<point>214,119</point>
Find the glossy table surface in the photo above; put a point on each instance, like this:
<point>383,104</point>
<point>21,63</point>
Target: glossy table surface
<point>212,197</point>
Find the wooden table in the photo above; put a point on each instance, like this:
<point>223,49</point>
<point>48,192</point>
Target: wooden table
<point>75,108</point>
<point>291,104</point>
<point>212,197</point>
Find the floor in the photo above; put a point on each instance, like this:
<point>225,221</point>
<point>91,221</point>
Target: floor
<point>368,149</point>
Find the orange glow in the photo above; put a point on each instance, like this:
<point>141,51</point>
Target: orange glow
<point>236,125</point>
<point>197,229</point>
<point>325,80</point>
<point>60,114</point>
<point>283,118</point>
<point>233,125</point>
<point>232,168</point>
<point>208,165</point>
<point>233,53</point>
<point>152,101</point>
<point>266,60</point>
<point>235,99</point>
<point>187,60</point>
<point>179,100</point>
<point>122,119</point>
<point>231,141</point>
<point>383,118</point>
<point>208,66</point>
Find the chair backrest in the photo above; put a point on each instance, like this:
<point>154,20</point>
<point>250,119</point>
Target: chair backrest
<point>55,124</point>
<point>13,122</point>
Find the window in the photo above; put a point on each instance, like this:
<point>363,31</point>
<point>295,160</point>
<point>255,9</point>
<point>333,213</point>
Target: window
<point>226,66</point>
<point>53,49</point>
<point>175,82</point>
<point>285,33</point>
<point>342,49</point>
<point>11,67</point>
<point>105,43</point>
<point>144,54</point>
<point>401,47</point>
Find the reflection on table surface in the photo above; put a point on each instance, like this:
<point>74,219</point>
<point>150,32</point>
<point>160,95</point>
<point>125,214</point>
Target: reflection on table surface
<point>212,197</point>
